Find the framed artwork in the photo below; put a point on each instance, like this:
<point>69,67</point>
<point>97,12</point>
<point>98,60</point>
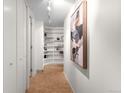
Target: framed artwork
<point>79,35</point>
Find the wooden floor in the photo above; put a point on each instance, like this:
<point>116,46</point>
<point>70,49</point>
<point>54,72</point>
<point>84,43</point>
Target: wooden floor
<point>51,80</point>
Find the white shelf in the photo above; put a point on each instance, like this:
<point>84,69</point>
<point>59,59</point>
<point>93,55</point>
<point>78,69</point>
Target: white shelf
<point>51,43</point>
<point>51,59</point>
<point>54,32</point>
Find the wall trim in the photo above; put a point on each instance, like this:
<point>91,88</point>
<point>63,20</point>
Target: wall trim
<point>53,63</point>
<point>69,82</point>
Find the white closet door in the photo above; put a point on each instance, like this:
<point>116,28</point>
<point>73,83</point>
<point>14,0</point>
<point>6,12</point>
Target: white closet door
<point>10,46</point>
<point>21,45</point>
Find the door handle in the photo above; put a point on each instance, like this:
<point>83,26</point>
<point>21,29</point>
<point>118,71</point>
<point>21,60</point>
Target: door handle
<point>10,64</point>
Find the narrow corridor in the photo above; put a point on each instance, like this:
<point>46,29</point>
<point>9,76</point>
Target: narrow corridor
<point>51,80</point>
<point>61,46</point>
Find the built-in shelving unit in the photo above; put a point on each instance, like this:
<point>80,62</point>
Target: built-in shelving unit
<point>53,45</point>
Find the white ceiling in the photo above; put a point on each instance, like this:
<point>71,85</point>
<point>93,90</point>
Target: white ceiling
<point>60,9</point>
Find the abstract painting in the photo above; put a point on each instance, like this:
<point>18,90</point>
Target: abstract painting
<point>78,28</point>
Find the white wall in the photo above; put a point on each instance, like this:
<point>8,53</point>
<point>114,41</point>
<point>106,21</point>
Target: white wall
<point>38,46</point>
<point>9,47</point>
<point>104,50</point>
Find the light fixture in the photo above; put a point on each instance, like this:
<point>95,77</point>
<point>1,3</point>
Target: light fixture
<point>49,8</point>
<point>49,5</point>
<point>58,2</point>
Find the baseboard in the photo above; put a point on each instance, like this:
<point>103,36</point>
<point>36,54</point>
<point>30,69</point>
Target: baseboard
<point>69,82</point>
<point>41,70</point>
<point>26,91</point>
<point>53,63</point>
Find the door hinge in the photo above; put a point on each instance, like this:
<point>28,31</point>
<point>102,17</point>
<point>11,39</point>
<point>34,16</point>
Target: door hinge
<point>31,70</point>
<point>31,47</point>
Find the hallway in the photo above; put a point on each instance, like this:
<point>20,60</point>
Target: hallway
<point>51,80</point>
<point>62,46</point>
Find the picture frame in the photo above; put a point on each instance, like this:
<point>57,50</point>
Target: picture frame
<point>78,29</point>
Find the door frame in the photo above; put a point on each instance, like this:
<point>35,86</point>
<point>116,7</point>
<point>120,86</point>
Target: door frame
<point>27,54</point>
<point>31,68</point>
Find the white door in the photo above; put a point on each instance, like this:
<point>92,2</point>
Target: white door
<point>10,46</point>
<point>21,47</point>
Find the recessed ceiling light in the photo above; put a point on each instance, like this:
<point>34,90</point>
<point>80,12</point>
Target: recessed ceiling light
<point>49,8</point>
<point>58,2</point>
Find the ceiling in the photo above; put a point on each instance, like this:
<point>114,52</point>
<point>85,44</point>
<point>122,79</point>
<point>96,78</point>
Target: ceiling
<point>59,10</point>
